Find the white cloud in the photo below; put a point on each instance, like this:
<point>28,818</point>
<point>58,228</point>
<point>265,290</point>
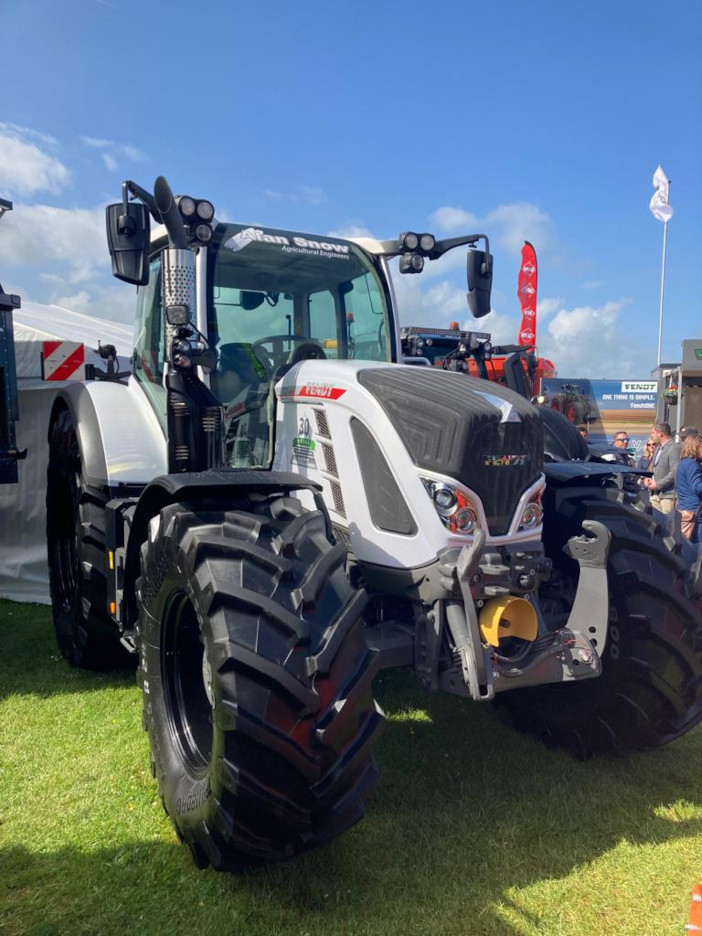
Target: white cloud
<point>27,132</point>
<point>25,168</point>
<point>66,253</point>
<point>547,307</point>
<point>507,225</point>
<point>588,341</point>
<point>115,303</point>
<point>313,195</point>
<point>512,224</point>
<point>37,235</point>
<point>442,304</point>
<point>113,154</point>
<point>307,194</point>
<point>351,230</point>
<point>447,219</point>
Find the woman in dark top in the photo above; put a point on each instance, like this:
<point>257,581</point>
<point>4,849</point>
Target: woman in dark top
<point>688,487</point>
<point>646,458</point>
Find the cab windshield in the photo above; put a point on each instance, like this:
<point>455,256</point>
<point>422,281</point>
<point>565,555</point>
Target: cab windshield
<point>278,297</point>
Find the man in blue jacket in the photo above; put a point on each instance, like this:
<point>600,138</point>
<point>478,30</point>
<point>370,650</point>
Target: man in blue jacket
<point>662,485</point>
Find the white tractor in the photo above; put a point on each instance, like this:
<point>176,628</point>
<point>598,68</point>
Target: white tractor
<point>273,506</point>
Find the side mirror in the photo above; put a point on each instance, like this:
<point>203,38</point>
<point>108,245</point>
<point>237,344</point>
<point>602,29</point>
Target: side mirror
<point>128,230</point>
<point>479,270</point>
<point>251,300</point>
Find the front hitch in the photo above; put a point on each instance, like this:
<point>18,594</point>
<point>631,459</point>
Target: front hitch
<point>570,653</point>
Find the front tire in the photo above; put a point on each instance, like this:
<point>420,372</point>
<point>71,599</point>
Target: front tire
<point>650,688</point>
<point>256,680</point>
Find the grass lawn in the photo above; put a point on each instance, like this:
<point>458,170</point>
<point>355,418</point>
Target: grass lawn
<point>473,829</point>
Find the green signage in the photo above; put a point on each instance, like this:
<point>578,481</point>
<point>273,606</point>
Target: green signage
<point>698,354</point>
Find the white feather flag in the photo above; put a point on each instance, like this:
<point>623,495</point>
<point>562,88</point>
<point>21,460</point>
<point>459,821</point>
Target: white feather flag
<point>659,203</point>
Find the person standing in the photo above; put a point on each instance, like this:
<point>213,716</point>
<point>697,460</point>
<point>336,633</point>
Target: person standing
<point>662,485</point>
<point>644,462</point>
<point>620,447</point>
<point>688,487</point>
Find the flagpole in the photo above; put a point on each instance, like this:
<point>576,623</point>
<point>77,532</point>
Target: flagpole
<point>660,314</point>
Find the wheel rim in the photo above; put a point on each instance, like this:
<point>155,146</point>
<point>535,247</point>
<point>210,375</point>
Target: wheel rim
<point>187,685</point>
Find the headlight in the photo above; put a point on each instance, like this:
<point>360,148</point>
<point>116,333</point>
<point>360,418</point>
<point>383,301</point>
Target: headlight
<point>465,520</point>
<point>444,497</point>
<point>456,510</point>
<point>533,514</point>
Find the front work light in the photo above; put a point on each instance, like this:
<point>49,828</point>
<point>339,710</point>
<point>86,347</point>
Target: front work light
<point>205,210</point>
<point>411,263</point>
<point>203,232</point>
<point>408,241</point>
<point>186,206</point>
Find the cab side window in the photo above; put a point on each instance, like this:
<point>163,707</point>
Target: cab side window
<point>148,345</point>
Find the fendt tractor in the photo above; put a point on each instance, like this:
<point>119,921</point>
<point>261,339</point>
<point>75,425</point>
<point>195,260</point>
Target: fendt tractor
<point>273,506</point>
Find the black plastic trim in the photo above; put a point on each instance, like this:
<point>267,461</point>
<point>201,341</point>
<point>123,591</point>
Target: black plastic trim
<point>388,508</point>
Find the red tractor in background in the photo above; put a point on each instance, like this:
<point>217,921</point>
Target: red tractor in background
<point>515,366</point>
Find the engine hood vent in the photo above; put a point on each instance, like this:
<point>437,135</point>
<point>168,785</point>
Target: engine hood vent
<point>479,433</point>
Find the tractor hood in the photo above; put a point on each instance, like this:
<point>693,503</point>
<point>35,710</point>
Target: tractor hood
<point>479,433</point>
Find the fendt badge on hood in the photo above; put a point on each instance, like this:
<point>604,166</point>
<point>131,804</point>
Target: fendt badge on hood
<point>505,461</point>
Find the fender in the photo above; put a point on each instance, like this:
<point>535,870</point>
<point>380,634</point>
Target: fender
<point>222,487</point>
<point>120,437</point>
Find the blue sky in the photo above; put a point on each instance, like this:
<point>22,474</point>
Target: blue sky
<point>543,121</point>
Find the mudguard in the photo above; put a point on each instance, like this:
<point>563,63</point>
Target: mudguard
<point>120,437</point>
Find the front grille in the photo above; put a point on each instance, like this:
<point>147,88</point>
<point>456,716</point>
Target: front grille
<point>330,459</point>
<point>322,424</point>
<point>338,498</point>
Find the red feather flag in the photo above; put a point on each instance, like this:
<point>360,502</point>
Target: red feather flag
<point>526,293</point>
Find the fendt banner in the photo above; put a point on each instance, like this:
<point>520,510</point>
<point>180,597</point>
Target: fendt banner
<point>526,293</point>
<point>606,407</point>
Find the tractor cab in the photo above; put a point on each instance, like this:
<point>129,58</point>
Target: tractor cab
<point>275,298</point>
<point>225,310</point>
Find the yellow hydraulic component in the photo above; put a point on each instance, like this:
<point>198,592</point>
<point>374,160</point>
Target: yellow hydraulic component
<point>507,617</point>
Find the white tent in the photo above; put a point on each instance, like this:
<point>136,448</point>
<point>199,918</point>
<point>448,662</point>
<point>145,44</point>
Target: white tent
<point>24,574</point>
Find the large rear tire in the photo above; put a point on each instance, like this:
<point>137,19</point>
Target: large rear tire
<point>256,680</point>
<point>650,689</point>
<point>75,533</point>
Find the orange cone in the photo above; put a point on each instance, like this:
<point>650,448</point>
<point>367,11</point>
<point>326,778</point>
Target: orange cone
<point>695,924</point>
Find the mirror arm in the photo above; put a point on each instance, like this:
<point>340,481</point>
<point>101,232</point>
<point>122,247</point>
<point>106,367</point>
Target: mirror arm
<point>443,246</point>
<point>129,187</point>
